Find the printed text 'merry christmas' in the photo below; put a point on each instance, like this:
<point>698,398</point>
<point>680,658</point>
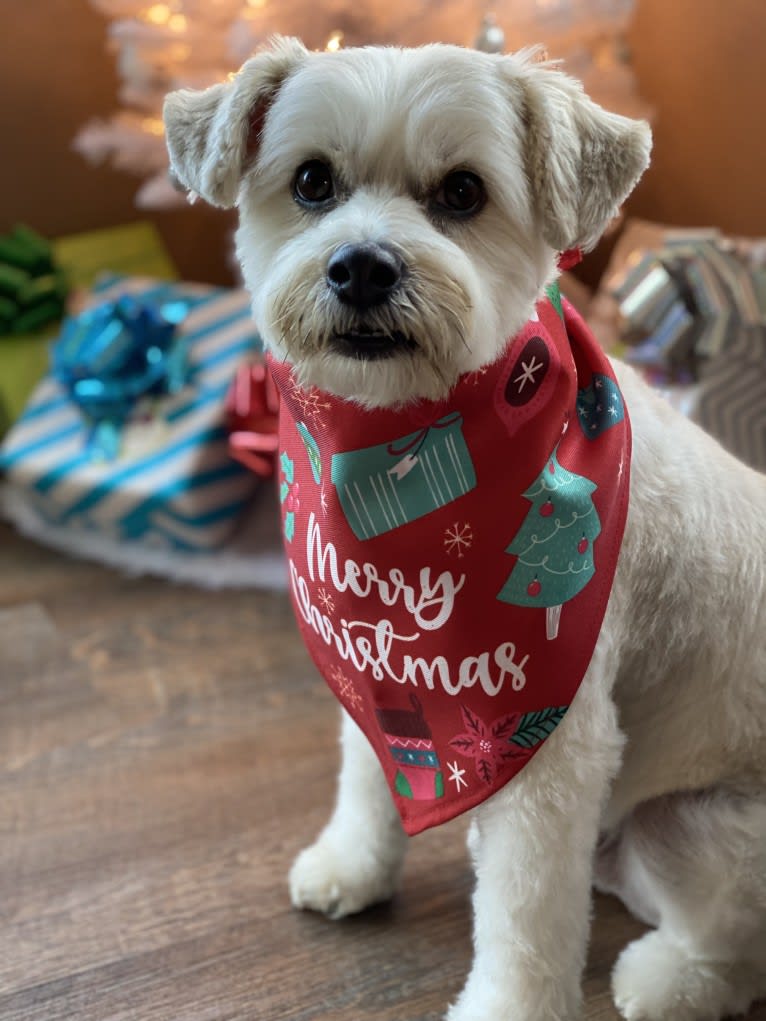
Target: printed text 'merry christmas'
<point>371,645</point>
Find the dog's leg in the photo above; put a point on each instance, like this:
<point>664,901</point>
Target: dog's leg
<point>699,860</point>
<point>532,845</point>
<point>358,857</point>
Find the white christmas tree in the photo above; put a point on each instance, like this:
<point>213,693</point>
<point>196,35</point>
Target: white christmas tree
<point>195,43</point>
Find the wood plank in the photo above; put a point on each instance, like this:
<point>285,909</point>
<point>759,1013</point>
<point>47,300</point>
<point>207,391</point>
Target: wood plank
<point>165,754</point>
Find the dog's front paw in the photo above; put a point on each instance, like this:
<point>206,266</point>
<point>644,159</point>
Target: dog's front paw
<point>486,999</point>
<point>490,1008</point>
<point>340,881</point>
<point>656,979</point>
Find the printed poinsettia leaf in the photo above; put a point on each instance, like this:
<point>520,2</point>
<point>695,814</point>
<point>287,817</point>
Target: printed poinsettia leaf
<point>486,770</point>
<point>489,745</point>
<point>289,526</point>
<point>505,726</point>
<point>284,489</point>
<point>535,727</point>
<point>474,723</point>
<point>464,743</point>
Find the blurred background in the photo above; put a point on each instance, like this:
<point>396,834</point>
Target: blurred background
<point>87,217</point>
<point>697,64</point>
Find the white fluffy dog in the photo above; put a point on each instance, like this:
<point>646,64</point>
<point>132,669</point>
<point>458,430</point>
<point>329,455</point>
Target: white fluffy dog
<point>654,787</point>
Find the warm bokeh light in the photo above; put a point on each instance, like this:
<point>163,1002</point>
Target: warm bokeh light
<point>170,44</point>
<point>158,14</point>
<point>335,42</point>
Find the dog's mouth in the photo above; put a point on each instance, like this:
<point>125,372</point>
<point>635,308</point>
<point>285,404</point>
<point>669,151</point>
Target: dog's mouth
<point>367,344</point>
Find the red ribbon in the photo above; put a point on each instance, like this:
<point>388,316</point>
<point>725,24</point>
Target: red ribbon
<point>252,409</point>
<point>571,257</point>
<point>419,437</point>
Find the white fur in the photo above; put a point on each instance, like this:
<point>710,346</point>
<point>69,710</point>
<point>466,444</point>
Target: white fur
<point>472,283</point>
<point>654,785</point>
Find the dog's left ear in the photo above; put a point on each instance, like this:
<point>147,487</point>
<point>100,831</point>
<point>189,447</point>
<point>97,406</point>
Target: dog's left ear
<point>582,162</point>
<point>212,134</point>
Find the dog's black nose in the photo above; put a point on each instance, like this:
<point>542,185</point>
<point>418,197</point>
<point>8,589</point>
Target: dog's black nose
<point>364,275</point>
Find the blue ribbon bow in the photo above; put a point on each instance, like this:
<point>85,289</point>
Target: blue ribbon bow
<point>110,356</point>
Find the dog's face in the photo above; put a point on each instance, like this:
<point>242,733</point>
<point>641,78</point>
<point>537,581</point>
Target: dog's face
<point>400,210</point>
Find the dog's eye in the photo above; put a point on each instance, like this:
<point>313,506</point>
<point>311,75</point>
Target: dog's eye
<point>461,193</point>
<point>313,183</point>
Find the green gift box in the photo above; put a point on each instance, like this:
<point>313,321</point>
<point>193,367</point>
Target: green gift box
<point>134,249</point>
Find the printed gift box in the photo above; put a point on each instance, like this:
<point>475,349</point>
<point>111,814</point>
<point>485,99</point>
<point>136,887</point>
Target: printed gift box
<point>383,487</point>
<point>154,468</point>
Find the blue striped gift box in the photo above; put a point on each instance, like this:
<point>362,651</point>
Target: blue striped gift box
<point>174,484</point>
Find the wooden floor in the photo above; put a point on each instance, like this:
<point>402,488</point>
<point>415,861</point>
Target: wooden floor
<point>164,753</point>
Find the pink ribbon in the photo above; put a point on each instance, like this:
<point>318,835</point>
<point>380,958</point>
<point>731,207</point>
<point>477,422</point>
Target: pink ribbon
<point>252,407</point>
<point>419,437</point>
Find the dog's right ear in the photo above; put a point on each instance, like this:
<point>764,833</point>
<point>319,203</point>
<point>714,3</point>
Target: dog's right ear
<point>581,161</point>
<point>213,134</point>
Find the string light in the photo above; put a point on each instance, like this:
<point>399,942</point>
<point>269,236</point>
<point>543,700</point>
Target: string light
<point>335,42</point>
<point>159,14</point>
<point>160,45</point>
<point>153,125</point>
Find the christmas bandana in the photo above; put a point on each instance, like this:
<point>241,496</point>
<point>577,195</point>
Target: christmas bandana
<point>450,563</point>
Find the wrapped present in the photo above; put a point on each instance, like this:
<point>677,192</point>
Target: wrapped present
<point>133,249</point>
<point>688,308</point>
<point>385,486</point>
<point>127,439</point>
<point>33,288</point>
<point>116,355</point>
<point>685,301</point>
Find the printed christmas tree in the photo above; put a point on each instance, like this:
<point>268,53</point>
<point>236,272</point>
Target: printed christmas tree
<point>554,545</point>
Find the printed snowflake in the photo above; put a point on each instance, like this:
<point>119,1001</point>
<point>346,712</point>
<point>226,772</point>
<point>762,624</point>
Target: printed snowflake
<point>487,744</point>
<point>456,775</point>
<point>528,374</point>
<point>346,690</point>
<point>323,501</point>
<point>458,538</point>
<point>327,601</point>
<point>477,375</point>
<point>309,401</point>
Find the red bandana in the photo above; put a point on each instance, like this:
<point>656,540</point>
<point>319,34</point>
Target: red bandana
<point>451,562</point>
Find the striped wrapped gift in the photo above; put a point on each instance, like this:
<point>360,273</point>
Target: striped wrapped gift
<point>174,484</point>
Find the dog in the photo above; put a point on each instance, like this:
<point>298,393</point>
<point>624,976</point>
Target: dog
<point>402,213</point>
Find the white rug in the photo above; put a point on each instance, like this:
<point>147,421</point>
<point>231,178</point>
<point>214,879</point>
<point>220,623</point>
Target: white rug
<point>253,558</point>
